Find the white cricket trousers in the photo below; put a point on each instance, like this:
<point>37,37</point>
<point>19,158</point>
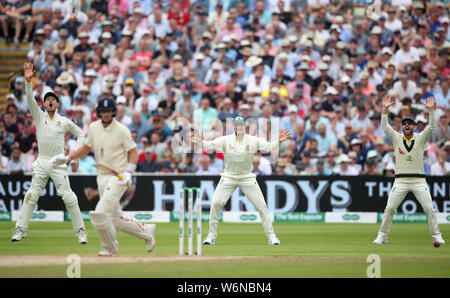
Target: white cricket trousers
<point>251,190</point>
<point>396,196</point>
<point>42,170</point>
<point>111,190</point>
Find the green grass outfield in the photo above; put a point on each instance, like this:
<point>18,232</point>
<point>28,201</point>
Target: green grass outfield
<point>241,250</point>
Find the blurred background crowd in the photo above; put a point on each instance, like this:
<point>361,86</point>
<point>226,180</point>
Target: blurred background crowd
<point>317,67</point>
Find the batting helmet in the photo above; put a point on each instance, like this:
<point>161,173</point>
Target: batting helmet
<point>239,120</point>
<point>105,104</point>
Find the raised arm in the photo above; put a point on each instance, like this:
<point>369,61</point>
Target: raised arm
<point>208,145</point>
<point>427,132</point>
<point>265,146</point>
<point>36,112</point>
<point>386,102</point>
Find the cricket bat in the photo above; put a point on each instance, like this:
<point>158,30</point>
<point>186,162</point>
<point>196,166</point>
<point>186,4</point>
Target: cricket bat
<point>104,166</point>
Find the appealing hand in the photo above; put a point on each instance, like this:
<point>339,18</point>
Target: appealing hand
<point>284,135</point>
<point>28,70</point>
<point>430,103</point>
<point>387,101</point>
<point>197,137</point>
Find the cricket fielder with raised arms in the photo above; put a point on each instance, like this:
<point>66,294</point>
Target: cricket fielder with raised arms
<point>239,149</point>
<point>50,130</point>
<point>113,146</point>
<point>409,171</point>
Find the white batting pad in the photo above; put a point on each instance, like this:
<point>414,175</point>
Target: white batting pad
<point>130,226</point>
<point>107,233</point>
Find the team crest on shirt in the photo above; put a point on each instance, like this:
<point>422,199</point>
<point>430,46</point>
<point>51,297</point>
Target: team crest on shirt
<point>400,151</point>
<point>246,147</point>
<point>59,123</point>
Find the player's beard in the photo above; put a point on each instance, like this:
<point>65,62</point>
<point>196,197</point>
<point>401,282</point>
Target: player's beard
<point>408,133</point>
<point>51,107</point>
<point>108,121</point>
<point>238,131</point>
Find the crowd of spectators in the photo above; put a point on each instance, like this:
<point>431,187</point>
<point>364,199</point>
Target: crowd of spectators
<point>317,68</point>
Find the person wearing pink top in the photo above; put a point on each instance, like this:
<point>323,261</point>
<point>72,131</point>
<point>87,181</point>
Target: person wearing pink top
<point>122,5</point>
<point>231,28</point>
<point>300,85</point>
<point>119,60</point>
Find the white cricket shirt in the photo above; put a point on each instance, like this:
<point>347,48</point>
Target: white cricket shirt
<point>110,144</point>
<point>50,131</point>
<point>238,157</point>
<point>409,153</point>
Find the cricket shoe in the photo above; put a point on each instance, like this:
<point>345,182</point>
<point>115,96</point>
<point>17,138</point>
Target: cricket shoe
<point>151,229</point>
<point>82,238</point>
<point>274,241</point>
<point>209,240</point>
<point>18,235</point>
<point>380,240</point>
<point>106,252</point>
<point>439,240</point>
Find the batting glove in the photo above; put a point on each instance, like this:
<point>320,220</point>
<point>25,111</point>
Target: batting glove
<point>127,178</point>
<point>131,167</point>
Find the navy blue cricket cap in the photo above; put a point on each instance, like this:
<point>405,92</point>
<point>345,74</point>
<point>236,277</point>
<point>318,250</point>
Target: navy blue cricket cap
<point>48,94</point>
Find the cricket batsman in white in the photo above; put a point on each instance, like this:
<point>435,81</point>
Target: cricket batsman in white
<point>239,149</point>
<point>409,172</point>
<point>50,130</point>
<point>112,145</point>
